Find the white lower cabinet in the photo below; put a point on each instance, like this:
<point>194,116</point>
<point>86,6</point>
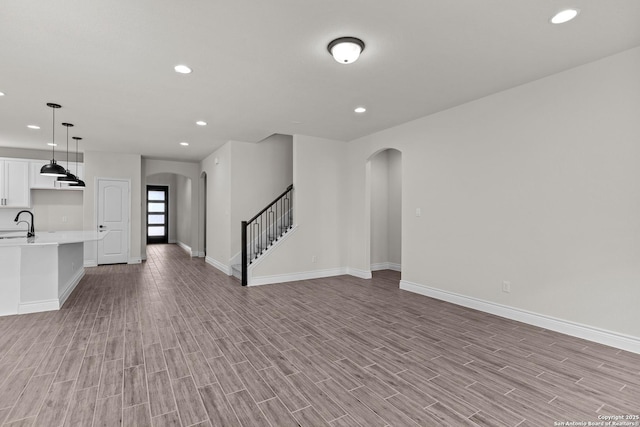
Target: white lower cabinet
<point>14,184</point>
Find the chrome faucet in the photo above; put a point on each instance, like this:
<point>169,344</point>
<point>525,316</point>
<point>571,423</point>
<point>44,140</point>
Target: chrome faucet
<point>30,232</point>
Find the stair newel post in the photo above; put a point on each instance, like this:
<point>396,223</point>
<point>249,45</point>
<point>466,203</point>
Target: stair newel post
<point>244,253</point>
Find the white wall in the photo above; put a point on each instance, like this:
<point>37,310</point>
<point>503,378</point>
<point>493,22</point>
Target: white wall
<point>100,164</point>
<point>57,210</point>
<point>260,173</point>
<point>218,169</point>
<point>319,174</point>
<point>380,208</point>
<point>395,207</point>
<point>538,185</point>
<point>246,177</point>
<point>183,214</point>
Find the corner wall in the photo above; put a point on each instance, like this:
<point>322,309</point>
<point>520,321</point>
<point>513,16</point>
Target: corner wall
<point>316,247</point>
<point>100,164</point>
<point>537,185</point>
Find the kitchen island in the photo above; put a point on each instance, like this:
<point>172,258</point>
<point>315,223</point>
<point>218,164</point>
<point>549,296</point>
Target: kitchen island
<point>39,273</point>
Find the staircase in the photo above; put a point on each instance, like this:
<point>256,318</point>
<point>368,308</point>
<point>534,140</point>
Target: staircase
<point>263,230</point>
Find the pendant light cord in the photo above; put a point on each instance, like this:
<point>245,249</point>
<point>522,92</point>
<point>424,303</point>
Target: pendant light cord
<point>67,148</point>
<point>53,134</point>
<point>77,159</point>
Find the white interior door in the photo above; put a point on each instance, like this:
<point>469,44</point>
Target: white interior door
<point>113,216</point>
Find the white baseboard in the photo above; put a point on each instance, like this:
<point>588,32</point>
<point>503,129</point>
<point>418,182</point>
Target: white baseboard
<point>71,286</point>
<point>200,254</point>
<point>90,263</point>
<point>52,304</point>
<point>590,333</point>
<point>386,266</point>
<point>38,306</point>
<point>220,266</point>
<point>186,247</point>
<point>134,261</point>
<point>293,277</point>
<point>356,272</point>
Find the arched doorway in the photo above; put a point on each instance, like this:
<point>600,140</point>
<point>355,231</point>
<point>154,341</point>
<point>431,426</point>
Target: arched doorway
<point>385,197</point>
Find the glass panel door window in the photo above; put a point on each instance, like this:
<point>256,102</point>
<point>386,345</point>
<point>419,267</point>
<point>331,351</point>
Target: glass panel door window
<point>157,214</point>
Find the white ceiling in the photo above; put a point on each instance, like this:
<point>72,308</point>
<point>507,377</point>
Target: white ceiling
<point>261,67</point>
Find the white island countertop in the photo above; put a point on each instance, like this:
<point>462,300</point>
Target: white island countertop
<point>18,238</point>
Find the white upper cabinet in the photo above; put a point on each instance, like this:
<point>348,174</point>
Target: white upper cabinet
<point>14,184</point>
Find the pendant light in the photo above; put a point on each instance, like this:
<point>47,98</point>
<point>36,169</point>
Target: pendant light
<point>69,178</point>
<point>52,168</point>
<point>80,182</point>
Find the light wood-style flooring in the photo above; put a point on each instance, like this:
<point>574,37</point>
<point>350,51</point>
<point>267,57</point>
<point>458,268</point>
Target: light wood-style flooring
<point>174,342</point>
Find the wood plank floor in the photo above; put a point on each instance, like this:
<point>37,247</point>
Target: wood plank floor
<point>174,342</point>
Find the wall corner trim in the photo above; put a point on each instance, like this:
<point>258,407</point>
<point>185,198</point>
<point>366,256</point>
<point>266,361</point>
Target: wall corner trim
<point>220,266</point>
<point>386,266</point>
<point>590,333</point>
<point>293,277</point>
<point>356,272</point>
<point>186,248</point>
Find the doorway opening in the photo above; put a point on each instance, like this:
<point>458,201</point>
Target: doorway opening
<point>157,214</point>
<point>385,191</point>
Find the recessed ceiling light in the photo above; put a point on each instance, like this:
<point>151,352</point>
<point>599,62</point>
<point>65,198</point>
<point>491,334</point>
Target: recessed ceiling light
<point>564,16</point>
<point>51,144</point>
<point>182,69</point>
<point>201,123</point>
<point>346,50</point>
<point>183,143</point>
<point>33,126</point>
<point>360,110</point>
<point>1,93</point>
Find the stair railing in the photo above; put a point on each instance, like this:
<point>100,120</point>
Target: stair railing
<point>264,229</point>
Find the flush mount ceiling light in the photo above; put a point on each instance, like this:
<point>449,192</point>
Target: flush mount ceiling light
<point>1,93</point>
<point>80,182</point>
<point>564,16</point>
<point>69,178</point>
<point>346,50</point>
<point>52,168</point>
<point>33,126</point>
<point>182,69</point>
<point>184,144</point>
<point>201,123</point>
<point>360,110</point>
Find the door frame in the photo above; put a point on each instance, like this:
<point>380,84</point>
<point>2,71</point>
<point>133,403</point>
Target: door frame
<point>96,197</point>
<point>154,239</point>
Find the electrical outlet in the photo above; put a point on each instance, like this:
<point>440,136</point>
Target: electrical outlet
<point>506,286</point>
<point>418,212</point>
<point>314,258</point>
<point>64,219</point>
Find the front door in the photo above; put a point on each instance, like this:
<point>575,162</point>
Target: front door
<point>157,214</point>
<point>113,216</point>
